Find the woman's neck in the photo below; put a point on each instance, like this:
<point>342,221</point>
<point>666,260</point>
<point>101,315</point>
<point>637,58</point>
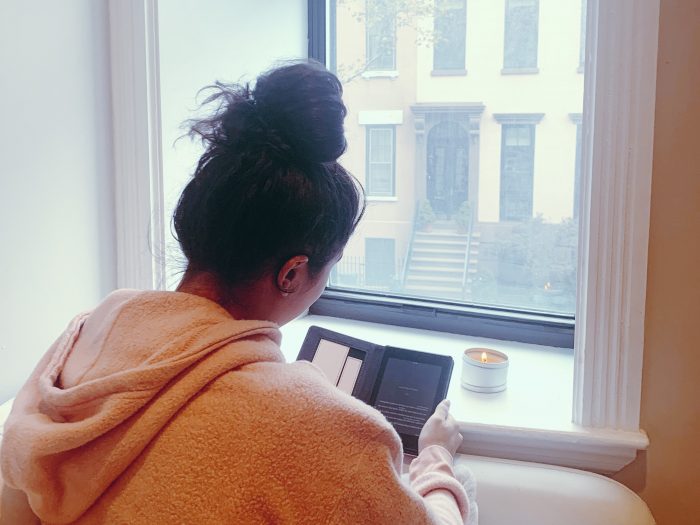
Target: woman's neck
<point>205,284</point>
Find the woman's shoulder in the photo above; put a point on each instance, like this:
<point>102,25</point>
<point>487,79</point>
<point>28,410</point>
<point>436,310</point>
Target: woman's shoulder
<point>304,399</point>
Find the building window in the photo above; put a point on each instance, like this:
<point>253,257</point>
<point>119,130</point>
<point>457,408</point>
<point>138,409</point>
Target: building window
<point>380,266</point>
<point>450,34</point>
<point>381,147</point>
<point>381,37</point>
<point>517,171</point>
<point>521,33</point>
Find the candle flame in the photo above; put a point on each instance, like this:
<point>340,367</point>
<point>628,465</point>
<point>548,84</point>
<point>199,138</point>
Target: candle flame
<point>484,357</point>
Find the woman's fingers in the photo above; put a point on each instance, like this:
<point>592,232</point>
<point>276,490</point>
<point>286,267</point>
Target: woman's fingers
<point>443,409</point>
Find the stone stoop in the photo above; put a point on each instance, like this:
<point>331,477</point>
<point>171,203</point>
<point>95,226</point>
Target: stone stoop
<point>436,262</point>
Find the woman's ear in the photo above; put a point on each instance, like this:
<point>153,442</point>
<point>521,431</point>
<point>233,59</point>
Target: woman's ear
<point>293,274</point>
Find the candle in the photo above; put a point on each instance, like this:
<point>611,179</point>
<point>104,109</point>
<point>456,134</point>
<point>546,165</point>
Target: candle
<point>484,370</point>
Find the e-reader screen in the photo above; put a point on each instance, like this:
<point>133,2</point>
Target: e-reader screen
<point>407,393</point>
<point>409,387</point>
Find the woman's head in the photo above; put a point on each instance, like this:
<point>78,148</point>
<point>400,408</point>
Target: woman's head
<point>268,187</point>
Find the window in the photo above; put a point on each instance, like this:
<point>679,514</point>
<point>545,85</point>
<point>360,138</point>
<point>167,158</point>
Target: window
<point>380,269</point>
<point>381,145</point>
<point>381,36</point>
<point>614,212</point>
<point>517,171</point>
<point>450,34</point>
<point>521,34</point>
<point>439,184</point>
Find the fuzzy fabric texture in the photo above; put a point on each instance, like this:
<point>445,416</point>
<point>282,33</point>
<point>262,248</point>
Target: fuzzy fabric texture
<point>160,408</point>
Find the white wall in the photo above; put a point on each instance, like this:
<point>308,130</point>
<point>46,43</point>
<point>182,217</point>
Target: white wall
<point>201,42</point>
<point>56,210</point>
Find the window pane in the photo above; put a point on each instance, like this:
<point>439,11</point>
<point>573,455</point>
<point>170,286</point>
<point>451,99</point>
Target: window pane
<point>380,145</point>
<point>520,50</point>
<point>483,206</point>
<point>380,165</point>
<point>381,35</point>
<point>450,34</point>
<point>199,43</point>
<point>380,270</point>
<point>517,166</point>
<point>380,180</point>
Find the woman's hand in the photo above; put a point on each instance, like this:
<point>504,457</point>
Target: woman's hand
<point>440,429</point>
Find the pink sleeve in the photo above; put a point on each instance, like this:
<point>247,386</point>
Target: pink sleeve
<point>431,475</point>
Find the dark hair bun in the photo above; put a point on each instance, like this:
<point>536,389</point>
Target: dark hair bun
<point>267,186</point>
<point>295,113</point>
<point>303,104</point>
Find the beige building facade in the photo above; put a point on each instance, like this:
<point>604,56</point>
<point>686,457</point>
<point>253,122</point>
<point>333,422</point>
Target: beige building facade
<point>453,102</point>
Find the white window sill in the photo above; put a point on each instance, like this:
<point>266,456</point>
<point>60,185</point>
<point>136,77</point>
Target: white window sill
<point>377,198</point>
<point>530,420</point>
<point>380,74</point>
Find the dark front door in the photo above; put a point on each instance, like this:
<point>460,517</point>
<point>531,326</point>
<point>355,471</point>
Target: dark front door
<point>448,168</point>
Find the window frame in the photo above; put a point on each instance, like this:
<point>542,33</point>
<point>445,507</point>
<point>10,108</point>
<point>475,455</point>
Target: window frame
<point>617,146</point>
<point>529,120</point>
<point>576,120</point>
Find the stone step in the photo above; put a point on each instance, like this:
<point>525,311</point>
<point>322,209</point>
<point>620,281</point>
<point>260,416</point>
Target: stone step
<point>454,271</point>
<point>412,278</point>
<point>436,251</point>
<point>439,261</point>
<point>440,244</point>
<point>432,266</point>
<point>441,235</point>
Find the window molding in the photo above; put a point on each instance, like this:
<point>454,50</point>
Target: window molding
<point>617,149</point>
<point>448,73</point>
<point>618,140</point>
<point>518,118</point>
<point>576,119</point>
<point>379,73</point>
<point>316,15</point>
<point>382,117</point>
<point>520,70</point>
<point>139,202</point>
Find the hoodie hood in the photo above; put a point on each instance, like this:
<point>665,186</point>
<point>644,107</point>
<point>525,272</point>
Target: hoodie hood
<point>109,384</point>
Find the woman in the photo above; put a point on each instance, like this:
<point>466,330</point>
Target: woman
<point>177,407</point>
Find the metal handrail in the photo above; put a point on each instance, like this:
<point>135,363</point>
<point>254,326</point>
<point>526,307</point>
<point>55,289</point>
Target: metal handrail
<point>404,270</point>
<point>465,270</point>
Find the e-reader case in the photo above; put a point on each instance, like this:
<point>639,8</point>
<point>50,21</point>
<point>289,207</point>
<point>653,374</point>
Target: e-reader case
<point>376,360</point>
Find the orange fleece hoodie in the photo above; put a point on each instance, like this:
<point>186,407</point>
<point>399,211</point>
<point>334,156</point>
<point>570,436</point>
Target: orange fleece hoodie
<point>158,407</point>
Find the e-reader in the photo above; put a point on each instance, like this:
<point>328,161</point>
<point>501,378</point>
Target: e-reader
<point>404,385</point>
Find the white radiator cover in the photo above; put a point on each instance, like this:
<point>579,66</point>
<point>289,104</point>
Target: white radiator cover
<point>516,492</point>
